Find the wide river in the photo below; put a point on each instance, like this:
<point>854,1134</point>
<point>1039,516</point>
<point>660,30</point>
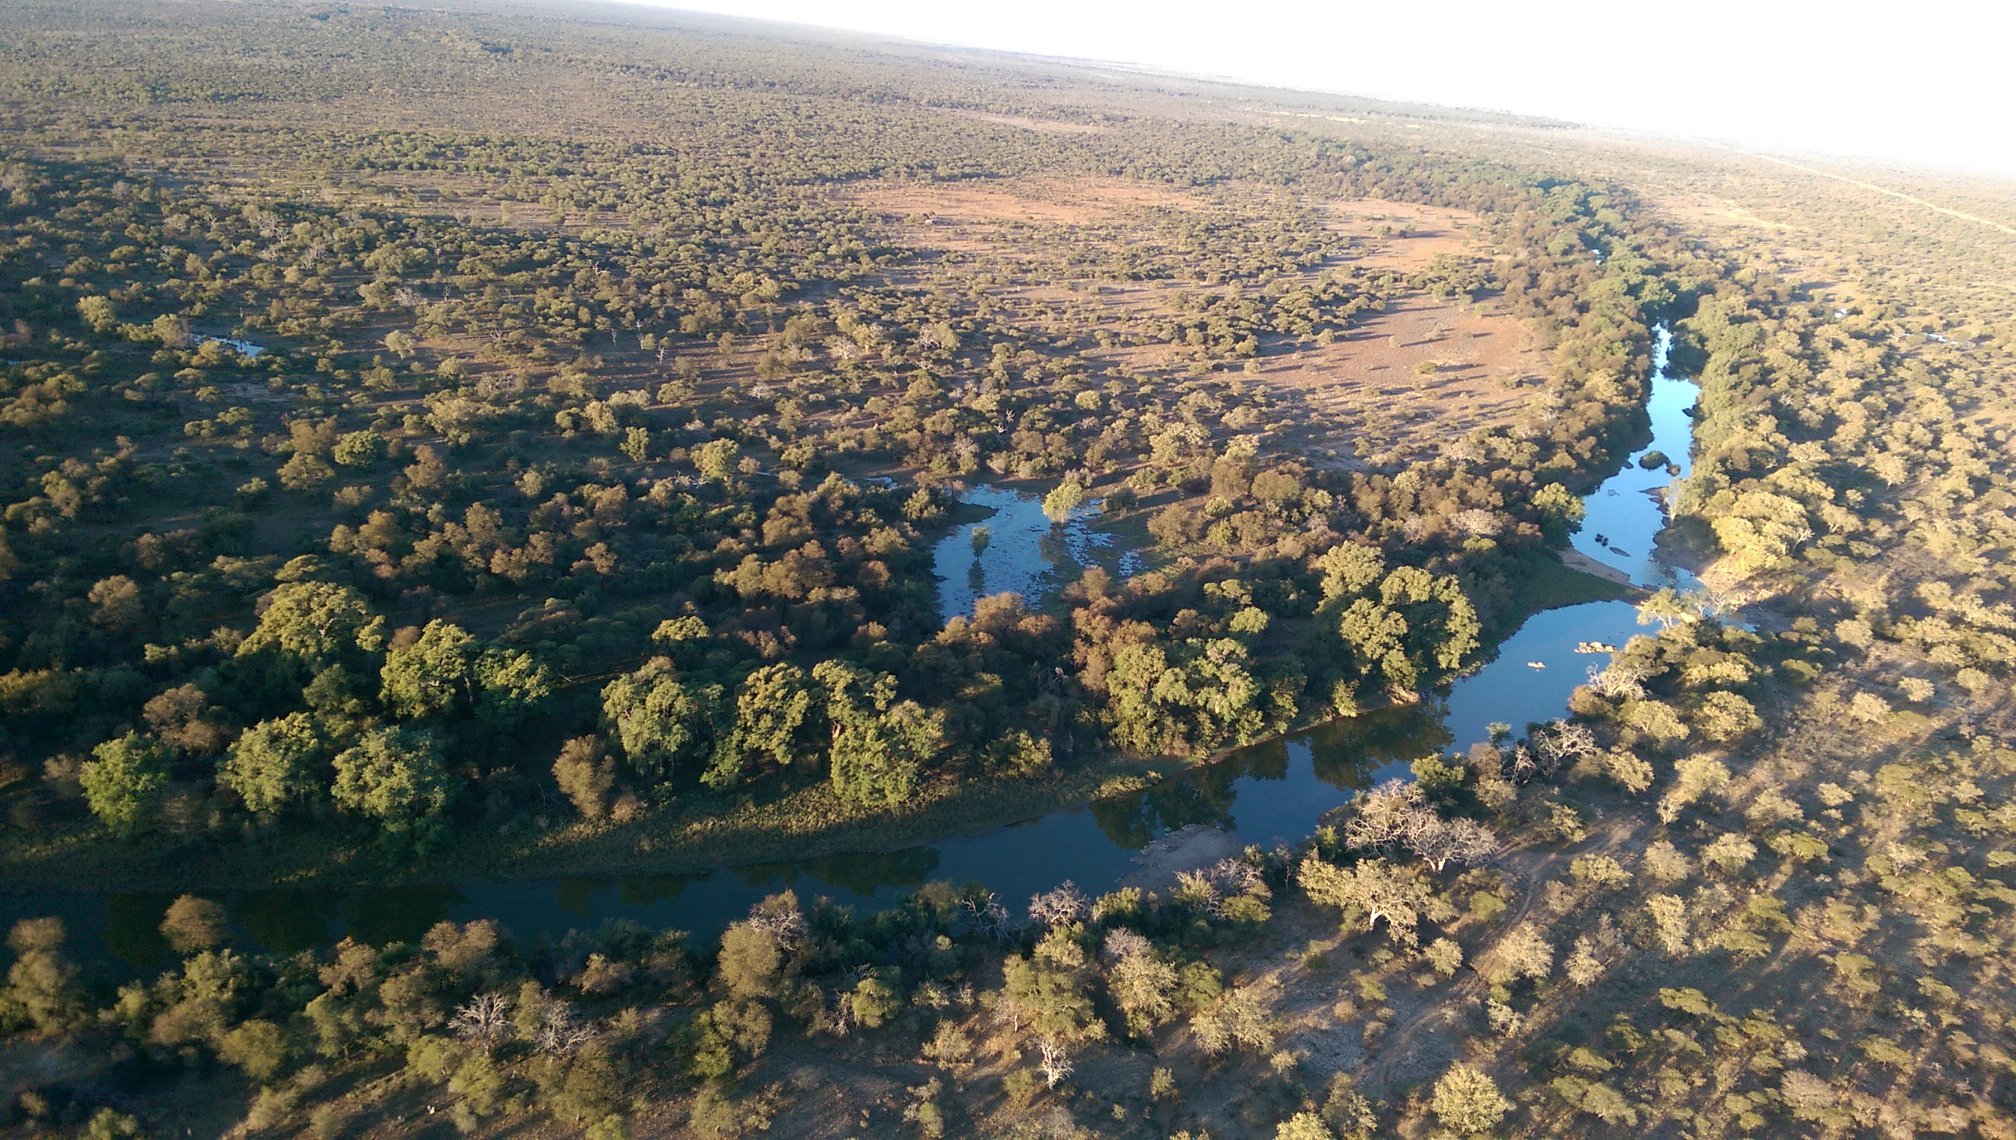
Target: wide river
<point>1263,794</point>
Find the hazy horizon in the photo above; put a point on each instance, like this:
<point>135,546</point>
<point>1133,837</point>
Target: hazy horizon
<point>1843,83</point>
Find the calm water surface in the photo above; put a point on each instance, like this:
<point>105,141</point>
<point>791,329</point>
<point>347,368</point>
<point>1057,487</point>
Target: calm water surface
<point>1266,793</point>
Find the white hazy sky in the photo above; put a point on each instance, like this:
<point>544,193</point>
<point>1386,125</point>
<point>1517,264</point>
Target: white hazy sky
<point>1931,82</point>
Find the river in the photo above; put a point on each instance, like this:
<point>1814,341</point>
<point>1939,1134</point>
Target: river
<point>1273,792</point>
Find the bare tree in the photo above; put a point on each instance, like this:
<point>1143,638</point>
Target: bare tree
<point>561,1032</point>
<point>1234,876</point>
<point>1056,1063</point>
<point>1386,815</point>
<point>1059,906</point>
<point>1551,746</point>
<point>485,1021</point>
<point>1619,682</point>
<point>1122,943</point>
<point>988,914</point>
<point>780,919</point>
<point>1453,841</point>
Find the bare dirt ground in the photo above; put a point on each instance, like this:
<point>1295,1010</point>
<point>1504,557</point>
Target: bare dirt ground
<point>1413,378</point>
<point>1045,126</point>
<point>1400,384</point>
<point>1045,201</point>
<point>1401,235</point>
<point>1576,560</point>
<point>1185,849</point>
<point>1704,210</point>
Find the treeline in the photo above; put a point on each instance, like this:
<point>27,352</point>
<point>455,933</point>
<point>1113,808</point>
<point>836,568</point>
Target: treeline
<point>990,1012</point>
<point>430,381</point>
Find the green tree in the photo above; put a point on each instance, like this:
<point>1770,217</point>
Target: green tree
<point>878,744</point>
<point>1049,999</point>
<point>316,623</point>
<point>193,924</point>
<point>1560,512</point>
<point>359,449</point>
<point>258,1047</point>
<point>1061,501</point>
<point>772,705</point>
<point>41,983</point>
<point>717,459</point>
<point>1368,891</point>
<point>431,675</point>
<point>110,1124</point>
<point>1376,637</point>
<point>751,962</point>
<point>876,759</point>
<point>1303,1126</point>
<point>1348,570</point>
<point>125,781</point>
<point>276,763</point>
<point>1201,693</point>
<point>1442,625</point>
<point>659,720</point>
<point>395,776</point>
<point>637,444</point>
<point>512,687</point>
<point>98,313</point>
<point>1467,1101</point>
<point>585,775</point>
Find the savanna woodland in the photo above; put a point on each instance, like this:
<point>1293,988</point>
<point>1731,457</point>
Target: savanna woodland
<point>450,448</point>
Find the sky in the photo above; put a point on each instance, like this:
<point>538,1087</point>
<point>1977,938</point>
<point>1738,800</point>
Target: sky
<point>1930,83</point>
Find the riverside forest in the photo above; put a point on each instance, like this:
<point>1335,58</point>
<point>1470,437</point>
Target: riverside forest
<point>570,570</point>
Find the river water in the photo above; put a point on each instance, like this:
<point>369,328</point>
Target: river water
<point>1273,792</point>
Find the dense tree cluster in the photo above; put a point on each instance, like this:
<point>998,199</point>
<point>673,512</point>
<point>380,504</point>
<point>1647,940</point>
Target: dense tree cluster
<point>397,482</point>
<point>653,468</point>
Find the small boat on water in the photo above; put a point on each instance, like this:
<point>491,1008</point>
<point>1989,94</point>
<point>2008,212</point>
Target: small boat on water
<point>1536,664</point>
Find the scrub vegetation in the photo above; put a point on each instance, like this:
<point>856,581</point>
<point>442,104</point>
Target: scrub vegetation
<point>509,441</point>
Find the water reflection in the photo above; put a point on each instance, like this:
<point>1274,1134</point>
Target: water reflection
<point>397,914</point>
<point>1623,517</point>
<point>1024,552</point>
<point>287,921</point>
<point>1271,792</point>
<point>863,874</point>
<point>133,928</point>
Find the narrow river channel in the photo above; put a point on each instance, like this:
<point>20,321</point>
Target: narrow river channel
<point>1268,793</point>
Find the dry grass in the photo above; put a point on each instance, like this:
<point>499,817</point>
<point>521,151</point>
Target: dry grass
<point>1402,384</point>
<point>1042,126</point>
<point>1377,384</point>
<point>1401,235</point>
<point>929,210</point>
<point>1703,211</point>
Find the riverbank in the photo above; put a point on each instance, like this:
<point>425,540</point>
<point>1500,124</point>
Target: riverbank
<point>770,825</point>
<point>807,822</point>
<point>1583,564</point>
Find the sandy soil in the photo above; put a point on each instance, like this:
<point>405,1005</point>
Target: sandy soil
<point>1417,376</point>
<point>1042,201</point>
<point>1185,849</point>
<point>1576,560</point>
<point>1430,231</point>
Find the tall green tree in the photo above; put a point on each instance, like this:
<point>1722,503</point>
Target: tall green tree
<point>432,675</point>
<point>315,623</point>
<point>772,706</point>
<point>660,720</point>
<point>396,777</point>
<point>277,763</point>
<point>124,781</point>
<point>879,744</point>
